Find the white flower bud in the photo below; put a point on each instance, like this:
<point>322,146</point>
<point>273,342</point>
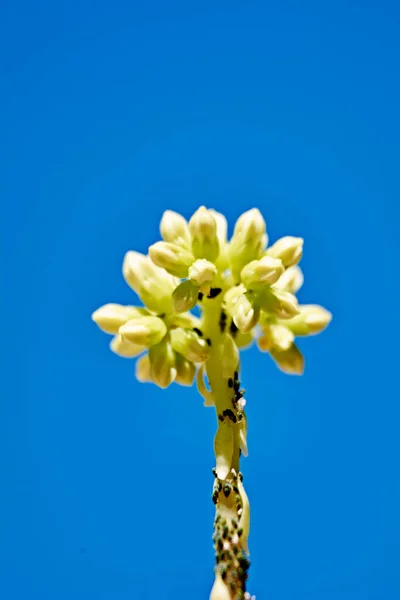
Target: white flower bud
<point>153,284</point>
<point>185,296</point>
<point>257,274</point>
<point>144,331</point>
<point>222,225</point>
<point>162,364</point>
<point>124,348</point>
<point>202,271</point>
<point>278,303</point>
<point>229,356</point>
<point>174,228</point>
<point>220,590</point>
<point>174,259</point>
<point>281,337</point>
<point>223,449</point>
<point>248,241</point>
<point>111,317</point>
<point>245,314</point>
<point>222,228</point>
<point>289,249</point>
<point>185,371</point>
<point>291,280</point>
<point>132,268</point>
<point>142,369</point>
<point>289,361</point>
<point>312,320</point>
<point>203,229</point>
<point>189,344</point>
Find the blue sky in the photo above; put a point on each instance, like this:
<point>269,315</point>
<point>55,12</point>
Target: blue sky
<point>111,114</point>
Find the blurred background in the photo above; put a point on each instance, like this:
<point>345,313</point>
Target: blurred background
<point>110,114</point>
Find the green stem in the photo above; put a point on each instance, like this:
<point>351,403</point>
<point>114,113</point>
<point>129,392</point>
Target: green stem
<point>231,560</point>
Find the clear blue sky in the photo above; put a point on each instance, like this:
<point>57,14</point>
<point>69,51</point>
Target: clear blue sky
<point>111,113</point>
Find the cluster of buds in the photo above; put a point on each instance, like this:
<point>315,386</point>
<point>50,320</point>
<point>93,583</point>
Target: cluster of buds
<point>195,259</point>
<point>246,292</point>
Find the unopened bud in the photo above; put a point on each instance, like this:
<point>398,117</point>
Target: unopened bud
<point>312,320</point>
<point>144,331</point>
<point>203,229</point>
<point>278,303</point>
<point>289,361</point>
<point>222,229</point>
<point>142,369</point>
<point>124,348</point>
<point>245,313</point>
<point>174,228</point>
<point>289,249</point>
<point>189,344</point>
<point>202,271</point>
<point>281,337</point>
<point>162,364</point>
<point>132,267</point>
<point>291,280</point>
<point>174,259</point>
<point>153,284</point>
<point>248,241</point>
<point>111,317</point>
<point>258,274</point>
<point>185,371</point>
<point>184,297</point>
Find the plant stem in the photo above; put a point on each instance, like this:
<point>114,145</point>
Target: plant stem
<point>228,494</point>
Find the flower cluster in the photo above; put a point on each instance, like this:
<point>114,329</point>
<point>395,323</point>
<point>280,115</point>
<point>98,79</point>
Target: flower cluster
<point>195,260</point>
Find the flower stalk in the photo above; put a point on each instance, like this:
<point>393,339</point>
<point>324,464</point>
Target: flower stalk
<point>245,292</point>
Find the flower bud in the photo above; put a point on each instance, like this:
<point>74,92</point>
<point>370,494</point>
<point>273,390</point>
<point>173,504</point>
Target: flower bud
<point>162,364</point>
<point>132,267</point>
<point>312,320</point>
<point>223,449</point>
<point>289,249</point>
<point>124,348</point>
<point>282,338</point>
<point>144,331</point>
<point>203,229</point>
<point>153,284</point>
<point>248,241</point>
<point>189,344</point>
<point>220,590</point>
<point>174,259</point>
<point>111,317</point>
<point>184,297</point>
<point>185,371</point>
<point>291,280</point>
<point>244,340</point>
<point>229,356</point>
<point>142,369</point>
<point>278,303</point>
<point>289,361</point>
<point>222,229</point>
<point>174,228</point>
<point>202,271</point>
<point>245,314</point>
<point>257,274</point>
